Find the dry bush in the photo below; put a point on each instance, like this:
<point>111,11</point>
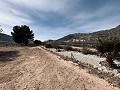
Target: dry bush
<point>86,51</point>
<point>68,48</point>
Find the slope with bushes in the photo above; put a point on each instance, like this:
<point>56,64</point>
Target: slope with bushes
<point>89,38</point>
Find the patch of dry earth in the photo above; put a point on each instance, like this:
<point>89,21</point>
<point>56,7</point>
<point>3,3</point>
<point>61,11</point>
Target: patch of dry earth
<point>37,69</point>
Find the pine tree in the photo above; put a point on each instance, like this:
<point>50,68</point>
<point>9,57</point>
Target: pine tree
<point>22,34</point>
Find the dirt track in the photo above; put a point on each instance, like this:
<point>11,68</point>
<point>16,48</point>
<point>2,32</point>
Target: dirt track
<point>37,69</point>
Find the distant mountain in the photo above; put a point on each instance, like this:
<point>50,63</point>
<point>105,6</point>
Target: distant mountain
<point>5,38</point>
<point>90,37</point>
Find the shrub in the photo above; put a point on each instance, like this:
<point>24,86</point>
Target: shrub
<point>109,48</point>
<point>75,49</point>
<point>86,51</point>
<point>48,46</point>
<point>68,48</point>
<point>57,47</point>
<point>58,50</point>
<point>37,42</point>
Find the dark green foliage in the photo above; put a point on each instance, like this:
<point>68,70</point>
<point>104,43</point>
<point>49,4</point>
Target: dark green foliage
<point>108,45</point>
<point>22,34</point>
<point>37,42</point>
<point>109,48</point>
<point>48,46</point>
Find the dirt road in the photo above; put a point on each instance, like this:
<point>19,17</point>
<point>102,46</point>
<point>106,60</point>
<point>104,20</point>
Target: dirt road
<point>25,68</point>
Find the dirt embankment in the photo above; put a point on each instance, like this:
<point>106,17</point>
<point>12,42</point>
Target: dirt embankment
<point>36,69</point>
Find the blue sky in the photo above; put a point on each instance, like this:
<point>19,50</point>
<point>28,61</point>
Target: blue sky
<point>53,19</point>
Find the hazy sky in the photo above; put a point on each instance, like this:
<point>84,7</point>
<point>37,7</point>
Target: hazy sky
<point>52,19</point>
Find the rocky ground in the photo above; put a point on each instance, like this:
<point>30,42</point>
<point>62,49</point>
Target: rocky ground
<point>33,68</point>
<point>93,60</point>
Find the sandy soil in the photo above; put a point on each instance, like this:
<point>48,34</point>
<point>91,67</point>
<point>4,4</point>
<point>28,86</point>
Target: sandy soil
<point>37,69</point>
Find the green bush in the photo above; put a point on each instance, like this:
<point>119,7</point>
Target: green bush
<point>109,48</point>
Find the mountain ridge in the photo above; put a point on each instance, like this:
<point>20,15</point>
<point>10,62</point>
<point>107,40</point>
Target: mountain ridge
<point>5,38</point>
<point>108,33</point>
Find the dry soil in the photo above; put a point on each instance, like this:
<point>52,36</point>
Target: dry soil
<point>33,68</point>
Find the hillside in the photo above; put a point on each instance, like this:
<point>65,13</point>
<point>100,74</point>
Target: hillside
<point>5,38</point>
<point>90,37</point>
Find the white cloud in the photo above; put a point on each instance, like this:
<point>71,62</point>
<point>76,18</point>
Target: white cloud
<point>11,16</point>
<point>33,12</point>
<point>44,5</point>
<point>12,20</point>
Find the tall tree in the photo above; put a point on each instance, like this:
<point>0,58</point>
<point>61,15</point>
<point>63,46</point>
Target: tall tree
<point>22,34</point>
